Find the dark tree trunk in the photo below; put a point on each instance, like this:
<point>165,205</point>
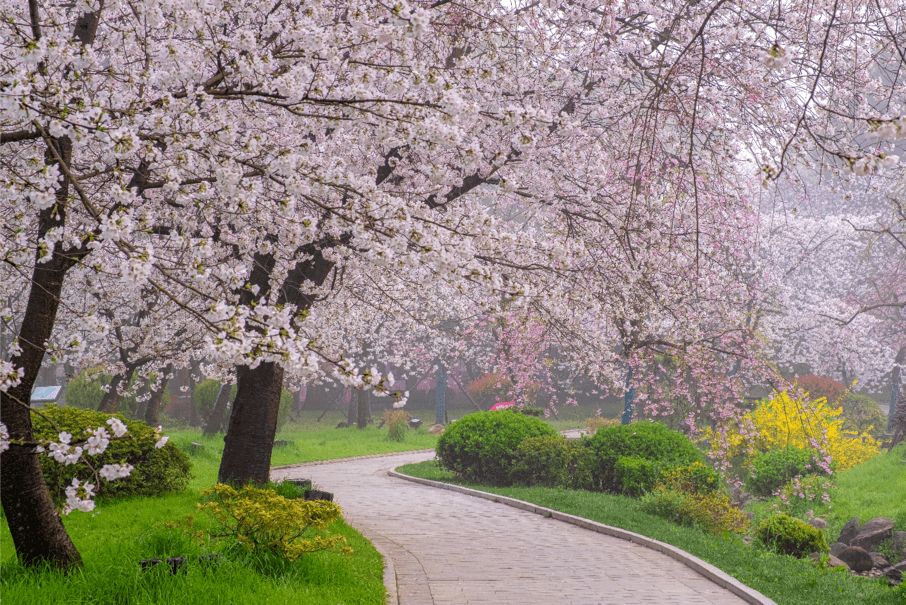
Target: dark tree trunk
<point>253,420</point>
<point>34,523</point>
<point>364,413</point>
<point>895,380</point>
<point>215,422</point>
<point>152,411</point>
<point>110,404</point>
<point>253,424</point>
<point>351,411</point>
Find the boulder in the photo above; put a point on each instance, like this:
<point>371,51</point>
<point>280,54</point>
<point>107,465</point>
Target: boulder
<point>832,561</point>
<point>894,576</point>
<point>901,566</point>
<point>875,531</point>
<point>880,560</point>
<point>849,531</point>
<point>436,429</point>
<point>838,547</point>
<point>899,540</point>
<point>857,558</point>
<point>818,523</point>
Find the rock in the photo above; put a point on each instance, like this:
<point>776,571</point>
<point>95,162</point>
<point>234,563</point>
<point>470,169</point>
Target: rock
<point>899,540</point>
<point>850,531</point>
<point>832,561</point>
<point>316,494</point>
<point>901,566</point>
<point>873,533</point>
<point>436,429</point>
<point>857,558</point>
<point>838,547</point>
<point>894,576</point>
<point>880,560</point>
<point>818,523</point>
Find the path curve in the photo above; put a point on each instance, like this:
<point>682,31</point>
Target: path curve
<point>447,547</point>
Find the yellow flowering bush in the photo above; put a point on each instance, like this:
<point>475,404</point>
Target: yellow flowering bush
<point>788,422</point>
<point>263,520</point>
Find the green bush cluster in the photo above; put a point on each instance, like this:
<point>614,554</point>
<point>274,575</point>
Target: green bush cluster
<point>156,470</point>
<point>483,445</point>
<point>787,535</point>
<point>861,414</point>
<point>697,478</point>
<point>651,442</point>
<point>773,469</point>
<point>711,512</point>
<point>552,460</point>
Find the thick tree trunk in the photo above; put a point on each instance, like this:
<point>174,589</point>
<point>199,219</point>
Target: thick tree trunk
<point>628,399</point>
<point>110,404</point>
<point>253,424</point>
<point>364,413</point>
<point>152,411</point>
<point>351,411</point>
<point>215,423</point>
<point>34,523</point>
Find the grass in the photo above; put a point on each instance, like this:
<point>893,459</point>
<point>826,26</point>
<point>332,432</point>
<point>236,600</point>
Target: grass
<point>119,533</point>
<point>785,579</point>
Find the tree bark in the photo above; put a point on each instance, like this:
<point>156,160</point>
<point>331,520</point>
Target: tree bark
<point>110,404</point>
<point>253,420</point>
<point>152,412</point>
<point>895,379</point>
<point>253,424</point>
<point>351,411</point>
<point>364,413</point>
<point>215,422</point>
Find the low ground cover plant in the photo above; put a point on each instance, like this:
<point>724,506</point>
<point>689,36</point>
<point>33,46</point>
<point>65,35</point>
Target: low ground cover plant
<point>264,521</point>
<point>483,445</point>
<point>155,470</point>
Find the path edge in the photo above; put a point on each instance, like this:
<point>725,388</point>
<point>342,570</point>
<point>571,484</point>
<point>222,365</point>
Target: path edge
<point>711,572</point>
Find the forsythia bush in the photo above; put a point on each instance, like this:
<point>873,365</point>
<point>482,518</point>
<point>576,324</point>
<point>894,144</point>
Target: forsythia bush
<point>263,520</point>
<point>785,422</point>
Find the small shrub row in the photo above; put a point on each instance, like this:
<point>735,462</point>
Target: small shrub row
<point>711,512</point>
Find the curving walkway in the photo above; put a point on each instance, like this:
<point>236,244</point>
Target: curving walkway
<point>447,547</point>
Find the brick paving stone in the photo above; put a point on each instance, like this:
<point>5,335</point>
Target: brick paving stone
<point>451,548</point>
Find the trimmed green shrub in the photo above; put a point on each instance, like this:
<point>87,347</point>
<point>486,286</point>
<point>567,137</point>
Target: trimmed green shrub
<point>650,441</point>
<point>553,460</point>
<point>789,536</point>
<point>696,478</point>
<point>483,445</point>
<point>635,475</point>
<point>713,513</point>
<point>155,470</point>
<point>862,414</point>
<point>773,469</point>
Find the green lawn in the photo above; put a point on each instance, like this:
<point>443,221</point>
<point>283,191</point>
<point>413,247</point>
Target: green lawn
<point>785,579</point>
<point>119,533</point>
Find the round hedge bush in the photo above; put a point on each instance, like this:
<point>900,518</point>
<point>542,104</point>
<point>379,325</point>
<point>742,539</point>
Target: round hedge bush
<point>775,468</point>
<point>482,446</point>
<point>628,458</point>
<point>790,536</point>
<point>155,470</point>
<point>552,460</point>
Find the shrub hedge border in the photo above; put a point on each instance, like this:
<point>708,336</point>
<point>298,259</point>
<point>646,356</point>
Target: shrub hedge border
<point>706,569</point>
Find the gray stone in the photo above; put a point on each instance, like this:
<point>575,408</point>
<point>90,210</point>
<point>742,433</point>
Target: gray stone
<point>899,540</point>
<point>857,558</point>
<point>832,561</point>
<point>818,523</point>
<point>850,531</point>
<point>901,566</point>
<point>894,576</point>
<point>873,533</point>
<point>881,562</point>
<point>838,547</point>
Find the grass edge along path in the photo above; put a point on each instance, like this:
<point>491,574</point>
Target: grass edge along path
<point>785,579</point>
